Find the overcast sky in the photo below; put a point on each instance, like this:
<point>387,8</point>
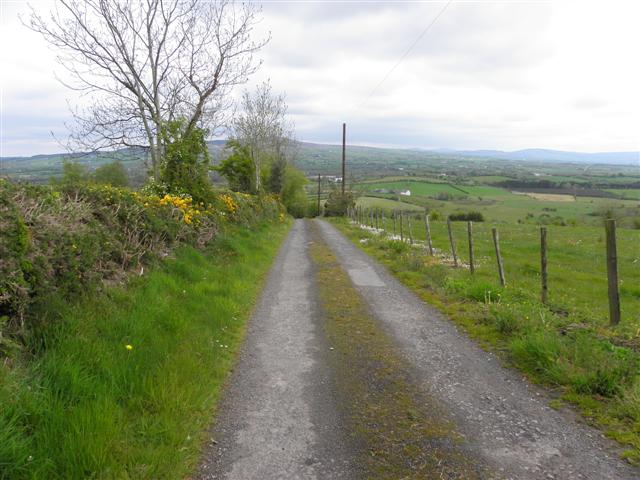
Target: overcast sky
<point>488,74</point>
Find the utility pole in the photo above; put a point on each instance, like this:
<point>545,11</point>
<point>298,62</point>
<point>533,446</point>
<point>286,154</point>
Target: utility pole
<point>318,194</point>
<point>344,141</point>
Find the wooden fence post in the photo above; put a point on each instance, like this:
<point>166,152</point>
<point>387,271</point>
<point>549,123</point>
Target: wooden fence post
<point>496,244</point>
<point>394,224</point>
<point>453,243</point>
<point>543,265</point>
<point>612,273</point>
<point>318,194</point>
<point>377,220</point>
<point>472,267</point>
<point>384,221</point>
<point>401,226</point>
<point>409,227</point>
<point>428,229</point>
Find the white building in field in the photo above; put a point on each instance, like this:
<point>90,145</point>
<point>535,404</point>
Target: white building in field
<point>406,193</point>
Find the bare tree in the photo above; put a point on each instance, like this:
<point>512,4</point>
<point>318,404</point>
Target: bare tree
<point>263,127</point>
<point>145,62</point>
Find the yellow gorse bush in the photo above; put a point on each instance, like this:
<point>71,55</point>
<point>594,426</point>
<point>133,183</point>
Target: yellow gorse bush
<point>184,203</point>
<point>183,208</point>
<point>229,203</point>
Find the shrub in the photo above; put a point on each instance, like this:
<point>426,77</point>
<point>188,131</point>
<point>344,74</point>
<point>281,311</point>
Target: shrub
<point>337,204</point>
<point>185,164</point>
<point>14,242</point>
<point>312,208</point>
<point>467,217</point>
<point>293,194</point>
<point>435,215</point>
<point>113,174</point>
<point>238,168</point>
<point>73,173</point>
<point>447,196</point>
<point>397,247</point>
<point>59,242</point>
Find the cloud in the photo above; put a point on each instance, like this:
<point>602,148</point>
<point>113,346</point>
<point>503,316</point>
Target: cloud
<point>588,103</point>
<point>488,74</point>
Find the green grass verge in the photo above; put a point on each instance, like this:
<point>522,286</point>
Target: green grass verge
<point>562,345</point>
<point>87,406</point>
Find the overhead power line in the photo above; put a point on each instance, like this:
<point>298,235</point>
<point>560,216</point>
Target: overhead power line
<point>404,55</point>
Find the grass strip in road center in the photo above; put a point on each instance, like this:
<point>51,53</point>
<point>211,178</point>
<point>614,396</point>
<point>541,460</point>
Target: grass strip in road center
<point>398,430</point>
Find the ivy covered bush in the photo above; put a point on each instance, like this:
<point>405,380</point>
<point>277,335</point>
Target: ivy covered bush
<point>56,241</point>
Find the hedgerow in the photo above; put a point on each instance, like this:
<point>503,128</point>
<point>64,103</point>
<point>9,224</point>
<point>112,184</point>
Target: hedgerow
<point>58,241</point>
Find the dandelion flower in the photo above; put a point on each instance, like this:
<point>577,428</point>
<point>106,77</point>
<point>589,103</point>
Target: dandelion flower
<point>128,347</point>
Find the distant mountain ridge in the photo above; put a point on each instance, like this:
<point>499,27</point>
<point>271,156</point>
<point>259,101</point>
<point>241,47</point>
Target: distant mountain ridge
<point>547,155</point>
<point>530,154</point>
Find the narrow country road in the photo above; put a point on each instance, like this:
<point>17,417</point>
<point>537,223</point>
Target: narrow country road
<point>277,419</point>
<point>291,412</point>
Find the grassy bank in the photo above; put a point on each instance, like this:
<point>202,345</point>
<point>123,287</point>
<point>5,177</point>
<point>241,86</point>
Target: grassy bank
<point>566,344</point>
<point>123,384</point>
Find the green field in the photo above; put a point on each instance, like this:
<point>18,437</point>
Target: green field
<point>489,179</point>
<point>501,205</point>
<point>386,204</point>
<point>626,192</point>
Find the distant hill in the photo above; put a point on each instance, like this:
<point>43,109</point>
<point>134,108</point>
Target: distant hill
<point>316,158</point>
<point>543,155</point>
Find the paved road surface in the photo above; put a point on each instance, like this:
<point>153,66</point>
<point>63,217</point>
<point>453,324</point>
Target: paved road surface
<point>279,418</point>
